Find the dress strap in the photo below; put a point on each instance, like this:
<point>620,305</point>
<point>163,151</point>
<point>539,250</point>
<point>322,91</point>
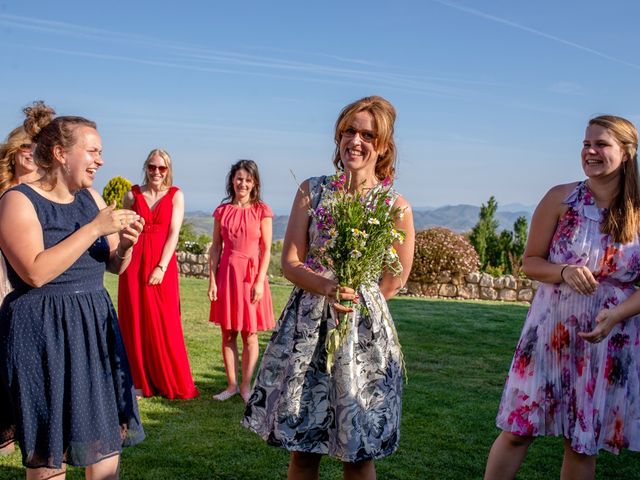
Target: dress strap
<point>581,199</point>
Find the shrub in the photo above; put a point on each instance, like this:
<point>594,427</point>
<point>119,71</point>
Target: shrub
<point>189,241</point>
<point>115,189</point>
<point>441,250</point>
<point>275,269</point>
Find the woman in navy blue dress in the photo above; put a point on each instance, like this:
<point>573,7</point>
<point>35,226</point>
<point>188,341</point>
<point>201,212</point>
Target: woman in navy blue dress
<point>64,365</point>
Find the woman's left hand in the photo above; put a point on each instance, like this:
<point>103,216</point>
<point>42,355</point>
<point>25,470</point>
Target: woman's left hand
<point>605,321</point>
<point>156,276</point>
<point>257,291</point>
<point>129,234</point>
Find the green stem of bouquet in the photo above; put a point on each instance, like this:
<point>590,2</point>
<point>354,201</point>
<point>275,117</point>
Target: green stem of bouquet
<point>336,336</point>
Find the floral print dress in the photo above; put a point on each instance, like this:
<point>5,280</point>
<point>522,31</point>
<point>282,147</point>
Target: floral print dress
<point>559,384</point>
<point>352,414</point>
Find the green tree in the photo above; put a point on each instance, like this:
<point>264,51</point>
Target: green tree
<point>115,189</point>
<point>498,253</point>
<point>484,236</point>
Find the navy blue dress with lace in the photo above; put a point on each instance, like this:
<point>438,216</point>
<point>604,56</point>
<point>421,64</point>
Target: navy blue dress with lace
<point>64,366</point>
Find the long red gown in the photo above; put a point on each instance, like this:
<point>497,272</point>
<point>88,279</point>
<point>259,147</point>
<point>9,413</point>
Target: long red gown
<point>241,232</point>
<point>149,315</point>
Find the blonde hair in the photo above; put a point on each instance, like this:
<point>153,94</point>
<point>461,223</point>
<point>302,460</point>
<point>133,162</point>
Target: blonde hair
<point>622,219</point>
<point>166,158</point>
<point>384,117</point>
<point>8,151</point>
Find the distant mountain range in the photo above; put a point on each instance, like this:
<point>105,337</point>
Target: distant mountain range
<point>459,218</point>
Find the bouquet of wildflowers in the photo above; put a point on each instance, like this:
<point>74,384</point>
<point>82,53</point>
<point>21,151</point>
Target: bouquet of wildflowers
<point>357,231</point>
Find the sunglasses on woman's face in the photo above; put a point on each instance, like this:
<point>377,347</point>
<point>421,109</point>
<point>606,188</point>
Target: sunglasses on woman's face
<point>26,147</point>
<point>159,168</point>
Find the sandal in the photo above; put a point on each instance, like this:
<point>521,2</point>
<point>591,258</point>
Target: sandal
<point>225,395</point>
<point>246,396</point>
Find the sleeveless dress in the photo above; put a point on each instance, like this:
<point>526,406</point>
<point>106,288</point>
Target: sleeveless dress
<point>237,270</point>
<point>351,415</point>
<point>559,384</point>
<point>64,364</point>
<point>150,314</point>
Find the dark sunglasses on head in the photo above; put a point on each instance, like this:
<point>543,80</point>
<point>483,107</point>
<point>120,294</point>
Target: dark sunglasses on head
<point>160,168</point>
<point>26,147</point>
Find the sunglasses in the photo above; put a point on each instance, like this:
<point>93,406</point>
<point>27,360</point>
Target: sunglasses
<point>159,168</point>
<point>26,147</point>
<point>365,135</point>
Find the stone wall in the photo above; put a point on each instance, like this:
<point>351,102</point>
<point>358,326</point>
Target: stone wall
<point>192,265</point>
<point>473,286</point>
<point>477,286</point>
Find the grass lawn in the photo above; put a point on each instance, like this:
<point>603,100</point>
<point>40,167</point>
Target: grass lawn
<point>457,357</point>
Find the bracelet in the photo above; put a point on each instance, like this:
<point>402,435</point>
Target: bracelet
<point>562,271</point>
<point>162,268</point>
<point>123,258</point>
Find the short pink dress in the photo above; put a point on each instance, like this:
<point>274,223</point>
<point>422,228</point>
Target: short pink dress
<point>238,268</point>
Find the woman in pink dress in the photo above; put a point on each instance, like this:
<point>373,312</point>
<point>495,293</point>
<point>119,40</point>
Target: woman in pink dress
<point>238,262</point>
<point>576,370</point>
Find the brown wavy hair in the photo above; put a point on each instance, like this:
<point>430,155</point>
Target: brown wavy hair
<point>8,151</point>
<point>168,179</point>
<point>48,131</point>
<point>384,117</point>
<point>251,168</point>
<point>622,219</point>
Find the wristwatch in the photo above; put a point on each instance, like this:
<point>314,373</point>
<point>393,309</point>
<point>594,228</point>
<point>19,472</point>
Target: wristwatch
<point>162,268</point>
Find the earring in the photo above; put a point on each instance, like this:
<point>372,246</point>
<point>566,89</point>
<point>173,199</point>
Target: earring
<point>65,169</point>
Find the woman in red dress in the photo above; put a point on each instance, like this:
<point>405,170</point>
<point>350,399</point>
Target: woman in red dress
<point>238,263</point>
<point>148,291</point>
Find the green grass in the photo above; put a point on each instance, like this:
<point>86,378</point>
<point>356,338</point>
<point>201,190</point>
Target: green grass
<point>457,356</point>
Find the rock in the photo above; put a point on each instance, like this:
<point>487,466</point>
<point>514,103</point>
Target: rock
<point>488,293</point>
<point>525,295</point>
<point>486,280</point>
<point>507,295</point>
<point>447,290</point>
<point>524,283</point>
<point>468,291</point>
<point>473,277</point>
<point>430,289</point>
<point>509,281</point>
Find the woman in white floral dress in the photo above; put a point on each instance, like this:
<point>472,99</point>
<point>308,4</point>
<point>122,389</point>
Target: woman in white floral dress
<point>576,369</point>
<point>354,413</point>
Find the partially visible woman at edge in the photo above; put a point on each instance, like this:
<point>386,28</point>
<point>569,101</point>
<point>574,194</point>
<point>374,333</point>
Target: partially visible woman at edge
<point>16,166</point>
<point>64,365</point>
<point>576,369</point>
<point>353,414</point>
<point>238,286</point>
<point>149,292</point>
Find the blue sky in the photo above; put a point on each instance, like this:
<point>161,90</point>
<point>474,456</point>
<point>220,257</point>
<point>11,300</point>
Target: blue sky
<point>492,97</point>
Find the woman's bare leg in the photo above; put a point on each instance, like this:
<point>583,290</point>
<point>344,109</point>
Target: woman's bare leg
<point>304,466</point>
<point>230,357</point>
<point>250,353</point>
<point>365,470</point>
<point>506,456</point>
<point>577,466</point>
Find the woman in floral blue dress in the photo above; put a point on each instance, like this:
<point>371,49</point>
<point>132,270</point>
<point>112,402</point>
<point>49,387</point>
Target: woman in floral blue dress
<point>354,413</point>
<point>576,368</point>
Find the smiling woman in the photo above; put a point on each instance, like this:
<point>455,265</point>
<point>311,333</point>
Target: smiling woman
<point>64,372</point>
<point>148,291</point>
<point>576,369</point>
